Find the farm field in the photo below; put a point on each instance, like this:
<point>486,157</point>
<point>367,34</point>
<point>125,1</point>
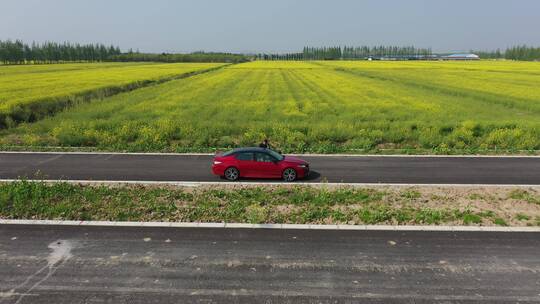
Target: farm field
<point>324,107</point>
<point>37,90</point>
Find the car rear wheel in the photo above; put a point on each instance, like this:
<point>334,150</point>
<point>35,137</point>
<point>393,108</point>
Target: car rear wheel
<point>232,174</point>
<point>289,175</point>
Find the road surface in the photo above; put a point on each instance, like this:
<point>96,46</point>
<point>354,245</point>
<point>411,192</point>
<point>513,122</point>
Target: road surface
<point>59,264</point>
<point>413,170</point>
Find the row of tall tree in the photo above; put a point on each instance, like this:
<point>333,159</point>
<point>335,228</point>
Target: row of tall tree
<point>322,53</point>
<point>18,52</point>
<point>350,53</point>
<point>192,57</point>
<point>497,54</point>
<point>521,52</point>
<point>363,52</point>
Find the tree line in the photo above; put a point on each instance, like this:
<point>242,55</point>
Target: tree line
<point>497,54</point>
<point>192,57</point>
<point>18,52</point>
<point>521,52</point>
<point>350,53</point>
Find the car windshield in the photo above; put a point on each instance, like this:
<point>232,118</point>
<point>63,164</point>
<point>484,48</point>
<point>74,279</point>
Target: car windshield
<point>228,153</point>
<point>276,155</point>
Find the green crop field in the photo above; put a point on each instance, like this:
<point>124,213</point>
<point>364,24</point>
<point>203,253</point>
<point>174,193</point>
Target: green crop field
<point>28,89</point>
<point>331,106</point>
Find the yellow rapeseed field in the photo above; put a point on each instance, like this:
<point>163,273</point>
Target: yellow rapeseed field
<point>31,85</point>
<point>331,106</point>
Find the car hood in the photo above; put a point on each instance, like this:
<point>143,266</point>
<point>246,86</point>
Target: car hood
<point>293,159</point>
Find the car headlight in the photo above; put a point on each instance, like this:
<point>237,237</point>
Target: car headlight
<point>217,162</point>
<point>303,166</point>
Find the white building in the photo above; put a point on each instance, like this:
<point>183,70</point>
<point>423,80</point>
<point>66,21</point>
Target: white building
<point>461,57</point>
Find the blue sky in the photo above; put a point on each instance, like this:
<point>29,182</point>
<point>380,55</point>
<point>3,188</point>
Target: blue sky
<point>274,26</point>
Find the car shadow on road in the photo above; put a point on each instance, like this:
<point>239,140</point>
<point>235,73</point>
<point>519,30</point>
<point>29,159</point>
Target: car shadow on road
<point>313,176</point>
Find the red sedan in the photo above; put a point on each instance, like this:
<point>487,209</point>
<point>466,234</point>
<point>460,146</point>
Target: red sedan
<point>259,163</point>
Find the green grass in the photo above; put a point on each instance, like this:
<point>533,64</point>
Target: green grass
<point>522,217</point>
<point>500,222</point>
<point>30,92</point>
<point>411,194</point>
<point>280,204</point>
<point>324,107</point>
<point>524,195</point>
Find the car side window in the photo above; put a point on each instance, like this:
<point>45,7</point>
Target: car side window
<point>263,158</point>
<point>244,156</point>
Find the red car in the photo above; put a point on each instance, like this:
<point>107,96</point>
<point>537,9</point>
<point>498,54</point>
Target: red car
<point>259,163</point>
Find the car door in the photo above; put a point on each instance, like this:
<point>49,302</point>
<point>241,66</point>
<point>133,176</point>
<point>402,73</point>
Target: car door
<point>266,166</point>
<point>246,163</point>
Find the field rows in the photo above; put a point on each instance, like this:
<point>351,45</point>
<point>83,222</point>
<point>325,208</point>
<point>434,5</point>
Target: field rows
<point>512,88</point>
<point>30,86</point>
<point>312,106</point>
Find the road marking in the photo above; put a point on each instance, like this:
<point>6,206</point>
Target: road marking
<point>292,154</point>
<point>270,183</point>
<point>272,226</point>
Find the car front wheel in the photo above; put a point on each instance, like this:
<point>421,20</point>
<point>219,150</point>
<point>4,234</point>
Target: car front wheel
<point>289,175</point>
<point>232,174</point>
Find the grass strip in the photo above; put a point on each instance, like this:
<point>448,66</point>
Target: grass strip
<point>275,204</point>
<point>359,152</point>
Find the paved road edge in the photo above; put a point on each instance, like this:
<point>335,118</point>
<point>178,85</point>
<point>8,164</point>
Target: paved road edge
<point>270,183</point>
<point>293,154</point>
<point>270,226</point>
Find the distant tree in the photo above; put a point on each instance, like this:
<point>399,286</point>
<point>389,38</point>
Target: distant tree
<point>17,52</point>
<point>351,53</point>
<point>523,52</point>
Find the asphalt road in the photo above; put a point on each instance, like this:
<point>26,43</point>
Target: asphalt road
<point>54,264</point>
<point>421,170</point>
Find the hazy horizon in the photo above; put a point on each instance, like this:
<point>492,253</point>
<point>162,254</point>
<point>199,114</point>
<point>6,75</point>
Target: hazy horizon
<point>281,26</point>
